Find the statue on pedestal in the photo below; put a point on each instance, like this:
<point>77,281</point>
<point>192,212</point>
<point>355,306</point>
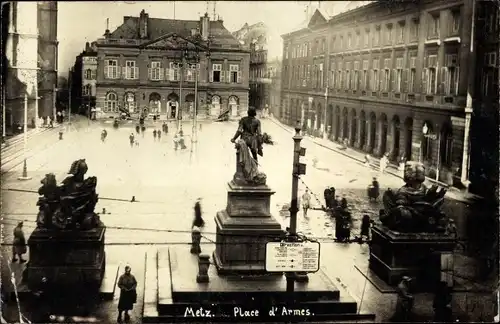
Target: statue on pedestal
<point>71,205</point>
<point>414,208</point>
<point>249,130</point>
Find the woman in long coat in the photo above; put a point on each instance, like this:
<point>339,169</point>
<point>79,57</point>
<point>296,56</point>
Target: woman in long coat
<point>128,293</point>
<point>19,244</point>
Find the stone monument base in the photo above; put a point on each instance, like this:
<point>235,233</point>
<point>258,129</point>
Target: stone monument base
<point>394,254</point>
<point>172,294</point>
<point>66,259</point>
<point>243,229</point>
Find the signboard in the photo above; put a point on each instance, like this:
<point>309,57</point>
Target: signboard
<point>292,256</point>
<point>431,136</point>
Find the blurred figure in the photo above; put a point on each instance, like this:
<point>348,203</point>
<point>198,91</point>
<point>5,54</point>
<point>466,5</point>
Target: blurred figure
<point>154,134</point>
<point>404,304</point>
<point>383,163</point>
<point>137,129</point>
<point>198,219</point>
<point>374,190</point>
<point>365,229</point>
<point>104,134</point>
<point>19,244</point>
<point>159,134</point>
<point>201,125</point>
<point>128,294</point>
<point>367,160</point>
<point>131,139</point>
<point>343,202</point>
<point>306,202</point>
<point>442,303</point>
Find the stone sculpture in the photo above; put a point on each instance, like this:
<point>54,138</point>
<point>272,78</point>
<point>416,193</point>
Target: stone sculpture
<point>414,208</point>
<point>71,205</point>
<point>247,172</point>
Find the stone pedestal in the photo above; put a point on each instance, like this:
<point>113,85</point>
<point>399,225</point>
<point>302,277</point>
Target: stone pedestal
<point>394,254</point>
<point>66,259</point>
<point>243,229</point>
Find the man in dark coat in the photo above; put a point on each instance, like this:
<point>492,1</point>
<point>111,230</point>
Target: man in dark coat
<point>19,244</point>
<point>250,131</point>
<point>128,294</point>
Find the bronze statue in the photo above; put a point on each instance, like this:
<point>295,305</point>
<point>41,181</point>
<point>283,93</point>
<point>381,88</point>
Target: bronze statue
<point>414,207</point>
<point>71,205</point>
<point>249,130</point>
<point>247,172</point>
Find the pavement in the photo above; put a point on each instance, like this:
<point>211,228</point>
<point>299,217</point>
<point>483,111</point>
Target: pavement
<point>166,183</point>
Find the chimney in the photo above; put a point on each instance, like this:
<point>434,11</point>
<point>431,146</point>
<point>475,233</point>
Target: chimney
<point>107,33</point>
<point>143,24</point>
<point>205,27</point>
<point>87,47</point>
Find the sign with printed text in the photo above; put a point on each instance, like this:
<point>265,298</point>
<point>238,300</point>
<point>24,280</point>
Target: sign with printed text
<point>292,256</point>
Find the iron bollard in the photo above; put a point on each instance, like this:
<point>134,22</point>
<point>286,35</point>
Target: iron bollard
<point>60,135</point>
<point>195,240</point>
<point>203,265</point>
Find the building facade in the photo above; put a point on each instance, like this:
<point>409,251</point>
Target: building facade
<point>83,80</point>
<point>31,53</point>
<point>388,79</point>
<point>255,38</point>
<point>149,65</point>
<point>274,73</point>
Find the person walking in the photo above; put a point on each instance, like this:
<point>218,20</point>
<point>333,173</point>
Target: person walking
<point>128,293</point>
<point>159,134</point>
<point>154,134</point>
<point>306,202</point>
<point>131,139</point>
<point>383,163</point>
<point>19,244</point>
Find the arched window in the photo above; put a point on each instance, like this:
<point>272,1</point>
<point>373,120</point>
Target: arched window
<point>87,90</point>
<point>88,74</point>
<point>111,102</point>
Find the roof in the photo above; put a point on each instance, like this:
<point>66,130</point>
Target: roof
<point>158,27</point>
<point>256,32</point>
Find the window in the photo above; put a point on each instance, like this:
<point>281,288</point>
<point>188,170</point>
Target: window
<point>234,70</point>
<point>341,42</point>
<point>386,75</point>
<point>321,83</point>
<point>366,38</point>
<point>388,37</point>
<point>332,76</point>
<point>364,82</point>
<point>111,69</point>
<point>155,72</point>
<point>450,74</point>
<point>489,80</point>
<point>349,41</point>
<point>414,29</point>
<point>306,50</point>
<point>308,74</point>
<point>401,34</point>
<point>130,70</point>
<point>111,102</point>
<point>286,52</point>
<point>455,23</point>
<point>88,74</point>
<point>412,74</point>
<point>429,78</point>
<point>340,80</point>
<point>355,79</point>
<point>217,75</point>
<point>397,78</point>
<point>374,79</point>
<point>347,80</point>
<point>433,26</point>
<point>322,46</point>
<point>174,72</point>
<point>492,21</point>
<point>190,72</point>
<point>358,39</point>
<point>376,37</point>
<point>87,90</point>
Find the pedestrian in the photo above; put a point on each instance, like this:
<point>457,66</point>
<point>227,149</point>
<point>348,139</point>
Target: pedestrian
<point>198,219</point>
<point>343,202</point>
<point>131,138</point>
<point>137,129</point>
<point>404,304</point>
<point>159,134</point>
<point>19,244</point>
<point>143,130</point>
<point>166,128</point>
<point>367,160</point>
<point>128,293</point>
<point>306,202</point>
<point>383,163</point>
<point>104,134</point>
<point>327,197</point>
<point>154,134</point>
<point>365,228</point>
<point>200,126</point>
<point>154,118</point>
<point>59,117</point>
<point>176,141</point>
<point>442,303</point>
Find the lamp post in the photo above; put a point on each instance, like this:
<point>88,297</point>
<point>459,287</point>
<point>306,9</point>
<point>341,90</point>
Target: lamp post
<point>25,176</point>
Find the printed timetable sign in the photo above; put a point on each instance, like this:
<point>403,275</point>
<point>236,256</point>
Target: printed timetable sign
<point>292,256</point>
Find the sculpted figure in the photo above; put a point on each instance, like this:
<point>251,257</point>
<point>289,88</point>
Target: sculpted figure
<point>71,205</point>
<point>249,130</point>
<point>414,207</point>
<point>247,169</point>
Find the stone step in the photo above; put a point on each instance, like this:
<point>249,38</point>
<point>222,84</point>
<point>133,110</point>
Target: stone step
<point>150,309</point>
<point>108,285</point>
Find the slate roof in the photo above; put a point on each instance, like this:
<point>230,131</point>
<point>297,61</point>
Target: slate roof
<point>158,27</point>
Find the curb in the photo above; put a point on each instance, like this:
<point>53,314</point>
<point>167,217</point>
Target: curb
<point>450,194</point>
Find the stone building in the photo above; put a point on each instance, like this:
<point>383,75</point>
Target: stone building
<point>389,78</point>
<point>84,80</point>
<point>274,74</point>
<point>149,65</point>
<point>255,38</point>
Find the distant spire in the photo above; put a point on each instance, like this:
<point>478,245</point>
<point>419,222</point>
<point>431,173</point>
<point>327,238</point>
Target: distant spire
<point>107,23</point>
<point>215,10</point>
<point>174,9</point>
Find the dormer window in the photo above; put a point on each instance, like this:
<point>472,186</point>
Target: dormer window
<point>389,33</point>
<point>433,26</point>
<point>455,21</point>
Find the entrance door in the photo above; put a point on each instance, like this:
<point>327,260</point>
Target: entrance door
<point>173,109</point>
<point>233,106</point>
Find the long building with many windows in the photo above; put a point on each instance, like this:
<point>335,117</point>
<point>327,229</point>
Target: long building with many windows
<point>392,77</point>
<point>149,65</point>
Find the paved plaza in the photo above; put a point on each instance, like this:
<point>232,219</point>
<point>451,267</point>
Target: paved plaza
<point>166,183</point>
